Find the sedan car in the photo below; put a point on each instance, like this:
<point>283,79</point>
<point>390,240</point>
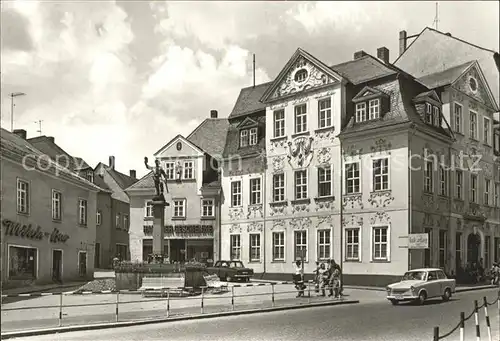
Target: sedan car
<point>231,270</point>
<point>420,285</point>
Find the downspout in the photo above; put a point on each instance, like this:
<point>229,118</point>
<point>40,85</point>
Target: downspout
<point>219,220</point>
<point>410,201</point>
<point>264,206</point>
<point>341,217</point>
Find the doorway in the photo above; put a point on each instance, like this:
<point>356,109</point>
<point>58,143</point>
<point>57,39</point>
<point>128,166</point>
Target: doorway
<point>177,250</point>
<point>82,263</point>
<point>97,256</point>
<point>57,265</point>
<point>473,243</point>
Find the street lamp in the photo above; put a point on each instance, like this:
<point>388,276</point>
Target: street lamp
<point>12,95</point>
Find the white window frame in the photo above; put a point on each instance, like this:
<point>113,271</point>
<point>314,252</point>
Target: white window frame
<point>361,112</point>
<point>327,169</point>
<point>281,189</point>
<point>19,193</point>
<point>381,175</point>
<point>237,194</point>
<point>252,137</point>
<point>188,170</point>
<point>305,193</point>
<point>374,108</point>
<point>253,247</point>
<point>56,205</point>
<point>118,217</point>
<point>497,194</point>
<point>325,113</point>
<point>347,257</point>
<point>458,118</point>
<point>473,190</point>
<point>281,245</point>
<point>443,181</point>
<point>302,245</point>
<point>320,245</point>
<point>170,170</point>
<point>279,123</point>
<point>183,207</point>
<point>436,116</point>
<point>487,132</point>
<point>98,218</point>
<point>428,177</point>
<point>126,222</point>
<point>233,246</point>
<point>207,204</point>
<point>428,113</point>
<point>255,191</point>
<point>244,139</point>
<point>347,165</point>
<point>372,243</point>
<point>300,118</point>
<point>85,214</point>
<point>459,187</point>
<point>148,209</point>
<point>90,176</point>
<point>473,130</point>
<point>487,192</point>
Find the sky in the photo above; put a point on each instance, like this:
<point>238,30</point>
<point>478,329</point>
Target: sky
<point>122,78</point>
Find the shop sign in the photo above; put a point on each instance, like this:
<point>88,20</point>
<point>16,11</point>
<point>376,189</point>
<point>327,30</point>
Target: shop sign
<point>28,231</point>
<point>183,229</point>
<point>418,241</point>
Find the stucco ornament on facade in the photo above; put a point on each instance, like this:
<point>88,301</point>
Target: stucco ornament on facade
<point>236,213</point>
<point>300,152</point>
<point>255,211</point>
<point>353,201</point>
<point>278,225</point>
<point>278,164</point>
<point>255,227</point>
<point>277,144</point>
<point>324,156</point>
<point>429,204</point>
<point>459,224</point>
<point>458,206</point>
<point>300,223</point>
<point>352,152</point>
<point>352,220</point>
<point>380,217</point>
<point>235,228</point>
<point>325,204</point>
<point>300,207</point>
<point>428,220</point>
<point>325,219</point>
<point>381,199</point>
<point>278,209</point>
<point>381,146</point>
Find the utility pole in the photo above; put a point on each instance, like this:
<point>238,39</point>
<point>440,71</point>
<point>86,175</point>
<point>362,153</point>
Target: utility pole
<point>12,105</point>
<point>39,122</point>
<point>436,18</point>
<point>254,70</point>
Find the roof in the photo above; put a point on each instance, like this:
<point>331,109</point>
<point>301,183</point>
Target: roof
<point>146,182</point>
<point>232,149</point>
<point>17,148</point>
<point>99,181</point>
<point>446,77</point>
<point>124,181</point>
<point>248,101</point>
<point>210,136</point>
<point>434,51</point>
<point>363,69</point>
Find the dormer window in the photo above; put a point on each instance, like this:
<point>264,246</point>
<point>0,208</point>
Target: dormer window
<point>253,137</point>
<point>437,117</point>
<point>361,112</point>
<point>90,176</point>
<point>428,113</point>
<point>248,137</point>
<point>374,106</point>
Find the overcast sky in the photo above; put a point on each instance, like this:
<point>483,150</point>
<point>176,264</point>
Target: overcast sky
<point>123,78</point>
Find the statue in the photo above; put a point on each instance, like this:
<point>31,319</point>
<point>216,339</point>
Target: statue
<point>158,173</point>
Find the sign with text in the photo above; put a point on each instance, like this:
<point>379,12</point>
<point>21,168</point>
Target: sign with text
<point>28,231</point>
<point>418,241</point>
<point>183,230</point>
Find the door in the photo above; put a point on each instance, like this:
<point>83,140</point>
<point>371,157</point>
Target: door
<point>82,264</point>
<point>433,286</point>
<point>97,256</point>
<point>57,265</point>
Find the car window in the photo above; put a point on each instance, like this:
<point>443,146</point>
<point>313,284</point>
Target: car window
<point>237,264</point>
<point>414,275</point>
<point>217,264</point>
<point>441,275</point>
<point>223,264</point>
<point>432,276</point>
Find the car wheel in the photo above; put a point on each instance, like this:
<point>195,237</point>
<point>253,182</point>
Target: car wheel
<point>247,279</point>
<point>394,302</point>
<point>228,279</point>
<point>422,297</point>
<point>447,295</point>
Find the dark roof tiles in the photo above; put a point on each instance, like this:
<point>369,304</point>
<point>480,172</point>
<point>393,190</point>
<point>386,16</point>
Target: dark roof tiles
<point>248,101</point>
<point>446,77</point>
<point>210,136</point>
<point>363,69</point>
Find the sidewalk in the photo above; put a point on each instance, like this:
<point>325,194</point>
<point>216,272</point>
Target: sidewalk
<point>43,288</point>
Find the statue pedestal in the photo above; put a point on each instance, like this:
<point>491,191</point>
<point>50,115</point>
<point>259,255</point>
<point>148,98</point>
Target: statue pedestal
<point>159,205</point>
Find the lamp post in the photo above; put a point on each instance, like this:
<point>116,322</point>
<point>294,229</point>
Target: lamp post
<point>12,95</point>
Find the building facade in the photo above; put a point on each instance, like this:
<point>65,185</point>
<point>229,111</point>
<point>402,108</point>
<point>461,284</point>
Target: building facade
<point>48,217</point>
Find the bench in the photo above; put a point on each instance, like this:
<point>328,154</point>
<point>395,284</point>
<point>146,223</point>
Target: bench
<point>154,286</point>
<point>215,284</point>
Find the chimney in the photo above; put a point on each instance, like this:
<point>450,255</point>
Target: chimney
<point>51,139</point>
<point>20,132</point>
<point>359,54</point>
<point>133,174</point>
<point>213,113</point>
<point>448,34</point>
<point>383,54</point>
<point>111,162</point>
<point>402,42</point>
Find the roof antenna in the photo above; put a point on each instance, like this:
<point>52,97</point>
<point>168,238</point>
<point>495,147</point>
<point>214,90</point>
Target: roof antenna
<point>436,18</point>
<point>254,70</point>
<point>39,126</point>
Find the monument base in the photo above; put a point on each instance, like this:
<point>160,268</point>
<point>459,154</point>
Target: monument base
<point>160,200</point>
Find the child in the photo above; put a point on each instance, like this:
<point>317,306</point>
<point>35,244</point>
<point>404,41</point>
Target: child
<point>322,278</point>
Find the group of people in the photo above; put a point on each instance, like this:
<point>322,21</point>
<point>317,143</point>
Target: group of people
<point>326,275</point>
<point>495,274</point>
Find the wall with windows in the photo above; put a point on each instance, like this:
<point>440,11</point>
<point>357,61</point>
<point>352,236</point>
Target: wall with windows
<point>139,217</point>
<point>42,214</point>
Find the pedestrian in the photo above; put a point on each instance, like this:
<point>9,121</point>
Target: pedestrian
<point>316,277</point>
<point>298,279</point>
<point>322,278</point>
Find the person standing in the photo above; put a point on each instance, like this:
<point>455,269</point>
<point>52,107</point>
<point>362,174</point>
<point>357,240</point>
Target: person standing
<point>298,279</point>
<point>322,278</point>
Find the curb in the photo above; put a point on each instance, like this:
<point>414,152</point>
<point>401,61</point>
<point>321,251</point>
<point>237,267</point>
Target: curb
<point>10,335</point>
<point>479,287</point>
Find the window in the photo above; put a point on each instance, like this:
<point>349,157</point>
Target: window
<point>56,205</point>
<point>497,193</point>
<point>487,190</point>
<point>125,222</point>
<point>443,181</point>
<point>244,138</point>
<point>207,207</point>
<point>22,263</point>
<point>352,244</point>
<point>428,113</point>
<point>473,125</point>
<point>380,174</point>
<point>374,108</point>
<point>325,113</point>
<point>437,120</point>
<point>458,250</point>
<point>300,184</point>
<point>300,118</point>
<point>235,247</point>
<point>179,208</point>
<point>279,123</point>
<point>90,176</point>
<point>253,137</point>
<point>473,188</point>
<point>278,187</point>
<point>428,177</point>
<point>325,181</point>
<point>352,178</point>
<point>323,244</point>
<point>170,170</point>
<point>255,247</point>
<point>82,212</point>
<point>300,245</point>
<point>300,76</point>
<point>486,134</point>
<point>255,197</point>
<point>149,210</point>
<point>380,243</point>
<point>427,251</point>
<point>459,183</point>
<point>121,252</point>
<point>117,221</point>
<point>236,193</point>
<point>443,241</point>
<point>98,218</point>
<point>487,252</point>
<point>278,246</point>
<point>360,112</point>
<point>23,195</point>
<point>457,122</point>
<point>188,170</point>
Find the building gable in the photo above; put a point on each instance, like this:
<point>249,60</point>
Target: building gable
<point>302,72</point>
<point>473,83</point>
<point>179,147</point>
<point>368,93</point>
<point>247,123</point>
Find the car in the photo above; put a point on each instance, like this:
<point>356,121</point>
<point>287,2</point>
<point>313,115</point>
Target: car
<point>231,270</point>
<point>420,285</point>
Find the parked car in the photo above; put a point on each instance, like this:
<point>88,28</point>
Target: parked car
<point>420,285</point>
<point>231,270</point>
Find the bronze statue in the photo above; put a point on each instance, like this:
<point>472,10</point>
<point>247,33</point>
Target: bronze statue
<point>158,173</point>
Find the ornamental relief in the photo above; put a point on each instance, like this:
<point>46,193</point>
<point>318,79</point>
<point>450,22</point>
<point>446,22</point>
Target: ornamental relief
<point>278,225</point>
<point>380,217</point>
<point>300,152</point>
<point>428,220</point>
<point>325,204</point>
<point>300,223</point>
<point>326,134</point>
<point>278,210</point>
<point>298,208</point>
<point>278,144</point>
<point>458,206</point>
<point>381,146</point>
<point>429,203</point>
<point>324,156</point>
<point>255,227</point>
<point>353,202</point>
<point>236,213</point>
<point>352,220</point>
<point>326,219</point>
<point>487,168</point>
<point>352,152</point>
<point>278,164</point>
<point>235,228</point>
<point>255,211</point>
<point>380,199</point>
<point>459,224</point>
<point>278,106</point>
<point>442,204</point>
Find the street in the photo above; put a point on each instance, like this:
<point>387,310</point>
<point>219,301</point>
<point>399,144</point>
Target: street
<point>374,319</point>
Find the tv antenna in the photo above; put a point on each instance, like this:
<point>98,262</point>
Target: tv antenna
<point>39,122</point>
<point>436,18</point>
